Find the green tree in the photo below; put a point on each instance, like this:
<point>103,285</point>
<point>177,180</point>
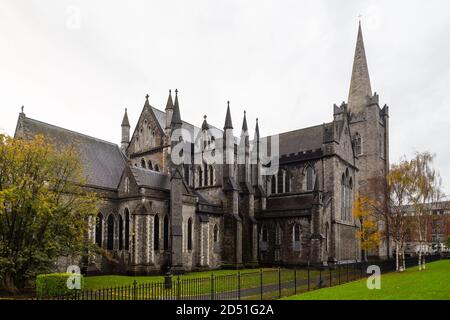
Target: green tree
<point>44,210</point>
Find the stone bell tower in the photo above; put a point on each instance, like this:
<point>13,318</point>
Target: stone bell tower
<point>369,126</point>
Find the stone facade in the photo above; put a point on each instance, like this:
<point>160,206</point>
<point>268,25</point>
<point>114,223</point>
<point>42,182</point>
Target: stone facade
<point>158,215</point>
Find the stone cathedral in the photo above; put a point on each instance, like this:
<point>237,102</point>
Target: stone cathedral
<point>158,215</point>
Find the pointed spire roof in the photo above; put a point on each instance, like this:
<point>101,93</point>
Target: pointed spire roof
<point>125,122</point>
<point>360,84</point>
<point>205,125</point>
<point>176,118</point>
<point>244,123</point>
<point>228,123</point>
<point>257,129</point>
<point>169,104</point>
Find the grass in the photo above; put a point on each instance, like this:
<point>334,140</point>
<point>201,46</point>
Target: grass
<point>198,284</point>
<point>99,282</point>
<point>430,284</point>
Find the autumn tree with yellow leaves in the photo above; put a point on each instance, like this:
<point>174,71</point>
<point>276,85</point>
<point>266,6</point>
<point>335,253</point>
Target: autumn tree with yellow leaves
<point>44,210</point>
<point>369,234</point>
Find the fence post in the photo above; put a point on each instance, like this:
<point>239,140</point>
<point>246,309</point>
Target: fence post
<point>320,277</point>
<point>212,286</point>
<point>339,274</point>
<point>135,289</point>
<point>347,272</point>
<point>331,279</point>
<point>279,282</point>
<point>261,282</point>
<point>178,288</point>
<point>239,284</point>
<point>295,280</point>
<point>309,278</point>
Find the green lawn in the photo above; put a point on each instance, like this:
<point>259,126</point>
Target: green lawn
<point>430,284</point>
<point>249,278</point>
<point>199,284</point>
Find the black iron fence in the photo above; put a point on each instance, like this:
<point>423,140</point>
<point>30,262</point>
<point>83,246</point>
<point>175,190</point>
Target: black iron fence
<point>264,284</point>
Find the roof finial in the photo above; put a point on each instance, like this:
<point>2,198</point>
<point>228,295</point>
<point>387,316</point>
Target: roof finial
<point>21,108</point>
<point>170,91</point>
<point>176,91</point>
<point>147,96</point>
<point>204,117</point>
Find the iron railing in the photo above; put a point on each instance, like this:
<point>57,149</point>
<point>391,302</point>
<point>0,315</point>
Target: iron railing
<point>264,284</point>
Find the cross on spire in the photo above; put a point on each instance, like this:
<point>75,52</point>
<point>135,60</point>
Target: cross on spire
<point>147,96</point>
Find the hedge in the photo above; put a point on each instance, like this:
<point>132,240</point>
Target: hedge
<point>55,285</point>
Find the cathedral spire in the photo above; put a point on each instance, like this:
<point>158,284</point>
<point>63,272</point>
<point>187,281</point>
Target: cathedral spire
<point>360,84</point>
<point>205,125</point>
<point>169,104</point>
<point>244,123</point>
<point>125,122</point>
<point>228,123</point>
<point>176,118</point>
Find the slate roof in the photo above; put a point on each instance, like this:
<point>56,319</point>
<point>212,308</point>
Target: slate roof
<point>301,140</point>
<point>103,162</point>
<point>151,179</point>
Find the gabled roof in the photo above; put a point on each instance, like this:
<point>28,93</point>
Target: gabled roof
<point>102,161</point>
<point>150,179</point>
<point>301,140</point>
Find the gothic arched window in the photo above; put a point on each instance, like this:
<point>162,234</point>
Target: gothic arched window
<point>127,229</point>
<point>200,177</point>
<point>166,232</point>
<point>296,237</point>
<point>357,142</point>
<point>206,175</point>
<point>211,176</point>
<point>265,235</point>
<point>343,195</point>
<point>309,178</point>
<point>287,182</point>
<point>216,233</point>
<point>110,238</point>
<point>143,163</point>
<point>99,229</point>
<point>273,184</point>
<point>127,185</point>
<point>156,233</point>
<point>150,165</point>
<point>186,173</point>
<point>189,234</point>
<point>156,168</point>
<point>120,232</point>
<point>349,199</point>
<point>280,180</point>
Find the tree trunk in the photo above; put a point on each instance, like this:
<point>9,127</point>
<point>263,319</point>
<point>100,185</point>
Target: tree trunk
<point>403,259</point>
<point>396,256</point>
<point>420,257</point>
<point>8,284</point>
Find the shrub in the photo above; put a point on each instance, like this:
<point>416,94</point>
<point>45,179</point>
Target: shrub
<point>55,285</point>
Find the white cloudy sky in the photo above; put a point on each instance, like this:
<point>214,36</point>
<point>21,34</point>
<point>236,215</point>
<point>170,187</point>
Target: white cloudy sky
<point>78,64</point>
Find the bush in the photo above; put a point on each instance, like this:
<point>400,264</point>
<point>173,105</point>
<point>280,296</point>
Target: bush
<point>55,285</point>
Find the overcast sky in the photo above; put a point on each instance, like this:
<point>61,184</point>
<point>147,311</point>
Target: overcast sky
<point>78,64</point>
